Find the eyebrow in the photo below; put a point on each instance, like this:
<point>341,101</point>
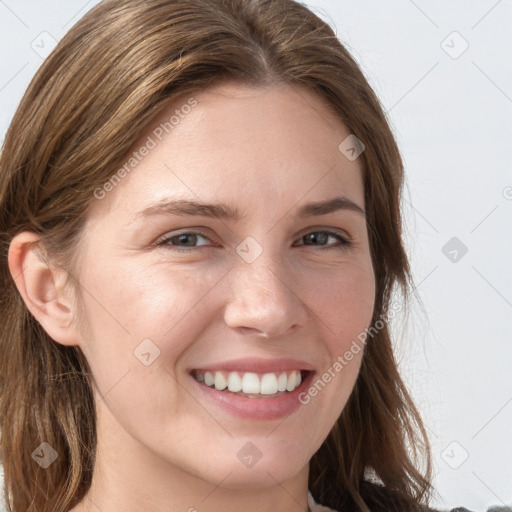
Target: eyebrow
<point>226,212</point>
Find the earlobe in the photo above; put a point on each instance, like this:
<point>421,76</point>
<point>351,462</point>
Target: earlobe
<point>41,286</point>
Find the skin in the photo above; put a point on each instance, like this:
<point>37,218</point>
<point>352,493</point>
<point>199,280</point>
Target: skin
<point>162,445</point>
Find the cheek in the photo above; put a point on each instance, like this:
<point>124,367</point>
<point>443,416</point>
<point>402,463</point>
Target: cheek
<point>344,301</point>
<point>144,301</point>
<point>141,320</point>
<point>125,307</point>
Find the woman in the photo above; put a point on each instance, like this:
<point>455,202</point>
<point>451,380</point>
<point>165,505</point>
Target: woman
<point>201,238</point>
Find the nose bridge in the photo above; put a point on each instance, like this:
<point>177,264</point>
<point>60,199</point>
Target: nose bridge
<point>265,275</point>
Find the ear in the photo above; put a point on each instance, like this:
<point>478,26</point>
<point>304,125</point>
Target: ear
<point>41,286</point>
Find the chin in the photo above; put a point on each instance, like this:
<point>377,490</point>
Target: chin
<point>260,476</point>
<point>261,463</point>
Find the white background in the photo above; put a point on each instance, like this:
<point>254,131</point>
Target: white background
<point>451,111</point>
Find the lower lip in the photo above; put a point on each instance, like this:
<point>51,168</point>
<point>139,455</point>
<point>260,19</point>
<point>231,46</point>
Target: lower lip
<point>256,408</point>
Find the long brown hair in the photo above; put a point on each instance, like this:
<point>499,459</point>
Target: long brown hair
<point>85,108</point>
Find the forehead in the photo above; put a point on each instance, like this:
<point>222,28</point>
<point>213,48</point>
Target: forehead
<point>240,145</point>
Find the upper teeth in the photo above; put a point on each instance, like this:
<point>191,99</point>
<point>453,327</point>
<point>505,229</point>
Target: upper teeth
<point>251,383</point>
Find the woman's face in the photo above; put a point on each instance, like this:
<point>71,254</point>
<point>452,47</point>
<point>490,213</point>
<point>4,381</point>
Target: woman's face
<point>160,320</point>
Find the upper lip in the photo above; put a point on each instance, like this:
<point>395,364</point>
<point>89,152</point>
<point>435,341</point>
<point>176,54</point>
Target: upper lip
<point>257,365</point>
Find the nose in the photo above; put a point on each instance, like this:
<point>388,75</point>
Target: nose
<point>264,301</point>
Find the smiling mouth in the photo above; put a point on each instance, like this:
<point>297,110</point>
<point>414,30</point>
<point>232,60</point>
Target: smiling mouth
<point>250,384</point>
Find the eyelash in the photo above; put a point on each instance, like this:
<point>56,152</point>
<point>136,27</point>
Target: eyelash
<point>343,241</point>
